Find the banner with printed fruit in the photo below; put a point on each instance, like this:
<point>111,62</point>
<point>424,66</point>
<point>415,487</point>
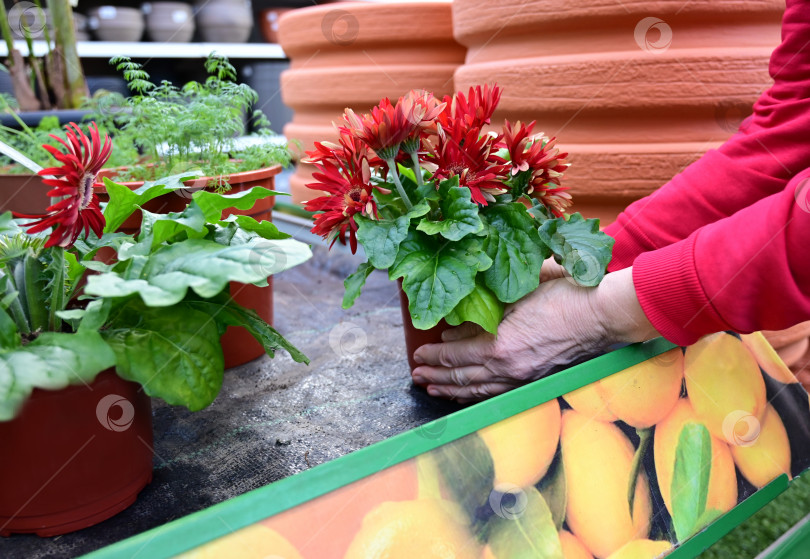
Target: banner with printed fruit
<point>626,467</point>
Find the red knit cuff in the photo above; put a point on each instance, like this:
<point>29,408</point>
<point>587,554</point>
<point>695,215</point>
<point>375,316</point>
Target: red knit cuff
<point>671,295</point>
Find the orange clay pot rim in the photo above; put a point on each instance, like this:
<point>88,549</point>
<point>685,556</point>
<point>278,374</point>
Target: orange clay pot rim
<point>238,177</point>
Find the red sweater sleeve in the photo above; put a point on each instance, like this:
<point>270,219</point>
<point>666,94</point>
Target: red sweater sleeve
<point>747,272</point>
<point>758,161</point>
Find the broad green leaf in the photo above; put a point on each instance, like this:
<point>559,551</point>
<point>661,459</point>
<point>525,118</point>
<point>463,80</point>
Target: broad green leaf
<point>9,336</point>
<point>52,361</point>
<point>354,284</point>
<point>468,471</point>
<point>213,204</point>
<point>264,229</point>
<point>459,216</point>
<point>516,251</point>
<point>163,227</point>
<point>232,314</point>
<point>174,353</point>
<point>123,201</point>
<point>690,480</point>
<point>481,306</point>
<point>437,275</point>
<point>579,247</point>
<point>206,267</point>
<point>381,238</point>
<point>555,492</point>
<point>524,528</point>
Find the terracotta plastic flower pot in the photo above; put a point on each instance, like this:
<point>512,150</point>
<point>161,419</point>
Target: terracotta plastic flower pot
<point>74,457</point>
<point>415,338</point>
<point>238,345</point>
<point>24,194</point>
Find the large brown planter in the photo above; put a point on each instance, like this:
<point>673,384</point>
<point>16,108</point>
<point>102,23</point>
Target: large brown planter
<point>74,457</point>
<point>634,101</point>
<point>353,54</point>
<point>415,338</point>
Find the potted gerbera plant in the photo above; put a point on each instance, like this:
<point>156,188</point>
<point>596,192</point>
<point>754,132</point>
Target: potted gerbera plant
<point>80,351</point>
<point>462,217</point>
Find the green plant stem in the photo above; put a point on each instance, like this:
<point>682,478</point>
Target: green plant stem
<point>37,313</point>
<point>6,29</point>
<point>17,283</point>
<point>75,85</point>
<point>417,170</point>
<point>645,436</point>
<point>57,291</point>
<point>393,166</point>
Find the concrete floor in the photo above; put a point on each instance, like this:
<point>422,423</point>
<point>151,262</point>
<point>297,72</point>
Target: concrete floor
<point>275,418</point>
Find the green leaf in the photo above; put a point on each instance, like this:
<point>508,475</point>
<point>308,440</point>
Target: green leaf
<point>381,238</point>
<point>579,247</point>
<point>525,534</point>
<point>163,278</point>
<point>481,306</point>
<point>232,314</point>
<point>459,216</point>
<point>468,471</point>
<point>555,492</point>
<point>9,336</point>
<point>173,353</point>
<point>264,229</point>
<point>214,203</point>
<point>163,227</point>
<point>516,251</point>
<point>690,480</point>
<point>354,284</point>
<point>123,201</point>
<point>437,275</point>
<point>52,361</point>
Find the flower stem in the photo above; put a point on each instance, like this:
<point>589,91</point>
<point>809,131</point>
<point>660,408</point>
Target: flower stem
<point>57,290</point>
<point>417,170</point>
<point>393,166</point>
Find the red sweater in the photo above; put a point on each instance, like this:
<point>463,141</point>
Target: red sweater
<point>725,245</point>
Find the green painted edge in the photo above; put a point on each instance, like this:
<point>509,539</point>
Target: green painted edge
<point>793,544</point>
<point>700,542</point>
<point>209,524</point>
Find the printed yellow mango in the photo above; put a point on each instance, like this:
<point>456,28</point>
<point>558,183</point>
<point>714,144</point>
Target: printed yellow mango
<point>424,528</point>
<point>573,548</point>
<point>586,400</point>
<point>523,446</point>
<point>643,549</point>
<point>254,542</point>
<point>722,479</point>
<point>723,378</point>
<point>767,455</point>
<point>644,394</point>
<point>597,459</point>
<point>767,358</point>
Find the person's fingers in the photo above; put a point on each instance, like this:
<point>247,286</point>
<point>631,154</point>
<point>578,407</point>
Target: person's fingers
<point>551,270</point>
<point>471,392</point>
<point>459,376</point>
<point>466,330</point>
<point>469,351</point>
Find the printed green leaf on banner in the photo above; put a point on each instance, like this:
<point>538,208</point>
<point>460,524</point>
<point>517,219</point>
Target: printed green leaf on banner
<point>468,471</point>
<point>516,251</point>
<point>524,528</point>
<point>354,284</point>
<point>381,239</point>
<point>183,348</point>
<point>690,480</point>
<point>123,201</point>
<point>579,247</point>
<point>436,277</point>
<point>52,361</point>
<point>480,306</point>
<point>555,492</point>
<point>459,216</point>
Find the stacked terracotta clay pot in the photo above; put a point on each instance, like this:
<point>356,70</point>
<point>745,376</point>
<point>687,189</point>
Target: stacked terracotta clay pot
<point>635,91</point>
<point>352,54</point>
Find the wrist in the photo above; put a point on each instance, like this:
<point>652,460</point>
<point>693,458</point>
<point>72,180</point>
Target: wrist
<point>618,309</point>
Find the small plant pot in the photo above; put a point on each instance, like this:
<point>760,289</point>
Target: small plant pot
<point>74,457</point>
<point>114,23</point>
<point>415,338</point>
<point>169,22</point>
<point>268,23</point>
<point>225,21</point>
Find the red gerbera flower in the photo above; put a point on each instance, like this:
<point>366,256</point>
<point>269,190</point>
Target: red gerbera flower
<point>421,108</point>
<point>349,152</point>
<point>469,155</point>
<point>349,194</point>
<point>383,130</point>
<point>78,207</point>
<point>473,111</point>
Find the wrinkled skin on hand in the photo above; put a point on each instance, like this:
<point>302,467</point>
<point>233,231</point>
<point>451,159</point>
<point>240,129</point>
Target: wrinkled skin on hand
<point>557,324</point>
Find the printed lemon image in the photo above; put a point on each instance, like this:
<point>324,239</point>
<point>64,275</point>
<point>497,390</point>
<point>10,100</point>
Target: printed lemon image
<point>253,542</point>
<point>766,454</point>
<point>588,401</point>
<point>523,446</point>
<point>642,549</point>
<point>597,458</point>
<point>767,358</point>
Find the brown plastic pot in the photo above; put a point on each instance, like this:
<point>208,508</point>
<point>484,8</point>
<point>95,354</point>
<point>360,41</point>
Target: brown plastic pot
<point>415,338</point>
<point>74,457</point>
<point>238,345</point>
<point>24,194</point>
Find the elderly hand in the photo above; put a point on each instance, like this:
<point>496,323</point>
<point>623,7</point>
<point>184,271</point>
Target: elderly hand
<point>556,324</point>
